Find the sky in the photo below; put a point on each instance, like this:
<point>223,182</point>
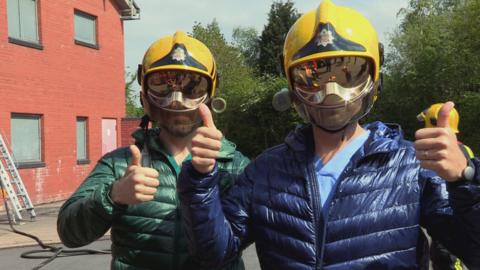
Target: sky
<point>164,17</point>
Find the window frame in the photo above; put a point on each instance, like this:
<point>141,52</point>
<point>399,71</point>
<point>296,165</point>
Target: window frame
<point>19,40</point>
<point>77,12</point>
<point>86,160</point>
<point>30,164</point>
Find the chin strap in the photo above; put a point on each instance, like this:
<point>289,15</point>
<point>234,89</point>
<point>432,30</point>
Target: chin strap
<point>342,129</point>
<point>146,160</point>
<point>332,131</point>
<point>144,122</point>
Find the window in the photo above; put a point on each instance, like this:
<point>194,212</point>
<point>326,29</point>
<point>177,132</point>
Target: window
<point>85,29</point>
<point>26,134</point>
<point>23,22</point>
<point>82,154</point>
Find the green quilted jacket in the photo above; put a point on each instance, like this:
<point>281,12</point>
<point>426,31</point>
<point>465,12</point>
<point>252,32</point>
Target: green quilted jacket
<point>147,235</point>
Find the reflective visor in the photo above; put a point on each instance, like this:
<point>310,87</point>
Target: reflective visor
<point>345,77</point>
<point>192,85</point>
<point>337,94</point>
<point>186,87</point>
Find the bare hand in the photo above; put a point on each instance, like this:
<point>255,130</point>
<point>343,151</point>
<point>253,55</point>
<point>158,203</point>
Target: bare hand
<point>138,185</point>
<point>438,150</point>
<point>206,142</point>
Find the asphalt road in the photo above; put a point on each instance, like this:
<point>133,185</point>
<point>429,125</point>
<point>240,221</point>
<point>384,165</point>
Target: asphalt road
<point>10,259</point>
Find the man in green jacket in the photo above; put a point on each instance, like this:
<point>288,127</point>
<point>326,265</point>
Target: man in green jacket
<point>132,190</point>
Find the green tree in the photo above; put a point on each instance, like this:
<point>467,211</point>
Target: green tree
<point>266,126</point>
<point>246,40</point>
<point>131,95</point>
<point>434,58</point>
<point>281,17</point>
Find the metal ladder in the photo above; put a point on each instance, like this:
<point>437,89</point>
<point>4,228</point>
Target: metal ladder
<point>12,184</point>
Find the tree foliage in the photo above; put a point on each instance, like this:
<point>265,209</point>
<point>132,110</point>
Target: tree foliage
<point>131,95</point>
<point>434,58</point>
<point>247,41</point>
<point>268,127</point>
<point>281,17</point>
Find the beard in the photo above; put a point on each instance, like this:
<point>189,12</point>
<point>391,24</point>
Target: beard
<point>179,124</point>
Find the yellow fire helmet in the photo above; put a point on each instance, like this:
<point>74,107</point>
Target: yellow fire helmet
<point>430,115</point>
<point>177,74</point>
<point>332,51</point>
<point>182,53</point>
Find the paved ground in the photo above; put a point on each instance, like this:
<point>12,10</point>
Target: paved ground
<point>44,227</point>
<point>11,259</point>
<point>12,245</point>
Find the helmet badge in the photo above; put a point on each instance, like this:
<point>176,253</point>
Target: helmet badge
<point>179,54</point>
<point>325,37</point>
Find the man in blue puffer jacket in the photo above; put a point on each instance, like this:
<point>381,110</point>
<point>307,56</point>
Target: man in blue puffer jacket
<point>336,195</point>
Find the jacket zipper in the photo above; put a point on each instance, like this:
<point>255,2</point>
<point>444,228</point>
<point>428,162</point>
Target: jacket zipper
<point>176,233</point>
<point>327,215</point>
<point>177,221</point>
<point>317,213</point>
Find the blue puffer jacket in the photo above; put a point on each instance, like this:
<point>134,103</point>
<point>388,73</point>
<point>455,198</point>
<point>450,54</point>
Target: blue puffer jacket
<point>374,221</point>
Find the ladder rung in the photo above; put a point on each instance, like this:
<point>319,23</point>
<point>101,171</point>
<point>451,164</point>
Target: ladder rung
<point>13,184</point>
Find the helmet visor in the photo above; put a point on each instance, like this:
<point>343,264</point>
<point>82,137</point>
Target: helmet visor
<point>185,87</point>
<point>346,77</point>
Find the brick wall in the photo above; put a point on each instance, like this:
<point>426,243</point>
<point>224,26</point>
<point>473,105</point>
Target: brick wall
<point>61,82</point>
<point>128,126</point>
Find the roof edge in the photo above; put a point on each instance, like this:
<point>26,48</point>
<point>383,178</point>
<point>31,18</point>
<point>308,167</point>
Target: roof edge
<point>129,10</point>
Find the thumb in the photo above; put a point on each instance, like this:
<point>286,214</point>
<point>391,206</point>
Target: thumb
<point>206,116</point>
<point>444,114</point>
<point>136,156</point>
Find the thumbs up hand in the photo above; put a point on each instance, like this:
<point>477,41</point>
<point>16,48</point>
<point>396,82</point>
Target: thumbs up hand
<point>437,148</point>
<point>138,185</point>
<point>206,142</point>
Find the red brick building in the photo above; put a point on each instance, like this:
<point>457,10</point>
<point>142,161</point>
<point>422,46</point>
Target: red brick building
<point>62,88</point>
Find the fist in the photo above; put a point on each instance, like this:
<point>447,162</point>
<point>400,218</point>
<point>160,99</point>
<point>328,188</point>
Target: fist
<point>138,185</point>
<point>437,148</point>
<point>206,142</point>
